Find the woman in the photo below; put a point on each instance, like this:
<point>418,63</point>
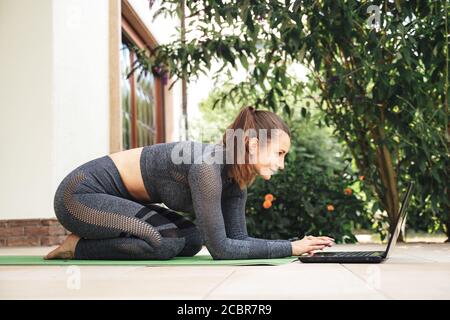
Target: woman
<point>109,203</point>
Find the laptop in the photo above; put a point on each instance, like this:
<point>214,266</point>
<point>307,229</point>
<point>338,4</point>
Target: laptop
<point>364,256</point>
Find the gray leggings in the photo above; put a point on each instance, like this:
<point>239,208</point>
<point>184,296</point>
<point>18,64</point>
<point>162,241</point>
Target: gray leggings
<point>93,203</point>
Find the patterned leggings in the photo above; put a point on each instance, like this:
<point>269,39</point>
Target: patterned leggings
<point>93,203</point>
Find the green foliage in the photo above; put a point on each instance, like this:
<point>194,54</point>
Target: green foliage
<point>317,171</point>
<point>384,91</point>
<point>214,120</point>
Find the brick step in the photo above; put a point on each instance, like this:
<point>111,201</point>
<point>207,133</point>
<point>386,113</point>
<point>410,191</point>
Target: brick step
<point>31,232</point>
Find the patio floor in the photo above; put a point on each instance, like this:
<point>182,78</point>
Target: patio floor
<point>414,271</point>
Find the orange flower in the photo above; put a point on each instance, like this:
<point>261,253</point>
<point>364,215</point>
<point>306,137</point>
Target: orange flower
<point>361,178</point>
<point>268,197</point>
<point>330,207</point>
<point>267,204</point>
<point>348,191</point>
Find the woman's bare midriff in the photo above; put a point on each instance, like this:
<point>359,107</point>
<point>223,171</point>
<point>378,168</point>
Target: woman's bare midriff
<point>129,166</point>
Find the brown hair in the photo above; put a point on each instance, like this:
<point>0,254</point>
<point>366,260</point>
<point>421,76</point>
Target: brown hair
<point>250,118</point>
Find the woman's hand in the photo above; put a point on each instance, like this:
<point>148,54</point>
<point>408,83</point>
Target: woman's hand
<point>309,244</point>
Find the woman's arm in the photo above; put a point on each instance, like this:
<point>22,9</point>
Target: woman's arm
<point>206,191</point>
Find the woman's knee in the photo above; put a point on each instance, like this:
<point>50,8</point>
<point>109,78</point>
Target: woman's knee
<point>132,247</point>
<point>194,242</point>
<point>169,248</point>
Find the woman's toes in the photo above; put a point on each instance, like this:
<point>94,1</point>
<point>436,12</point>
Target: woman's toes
<point>51,255</point>
<point>59,254</point>
<point>65,250</point>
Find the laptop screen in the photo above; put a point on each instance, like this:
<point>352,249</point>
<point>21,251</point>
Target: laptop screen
<point>400,220</point>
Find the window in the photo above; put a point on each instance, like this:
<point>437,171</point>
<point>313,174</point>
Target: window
<point>145,109</point>
<point>138,102</point>
<point>125,68</point>
<point>142,101</point>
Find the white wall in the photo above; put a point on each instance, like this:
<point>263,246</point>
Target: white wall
<point>54,100</point>
<point>81,84</point>
<point>26,108</point>
<point>54,97</point>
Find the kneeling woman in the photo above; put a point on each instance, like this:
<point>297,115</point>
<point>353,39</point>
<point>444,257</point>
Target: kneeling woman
<point>109,204</point>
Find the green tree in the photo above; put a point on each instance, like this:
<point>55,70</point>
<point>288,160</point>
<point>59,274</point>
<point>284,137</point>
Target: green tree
<point>385,90</point>
<point>214,121</point>
<point>318,167</point>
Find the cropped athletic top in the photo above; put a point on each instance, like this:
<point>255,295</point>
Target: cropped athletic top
<point>189,176</point>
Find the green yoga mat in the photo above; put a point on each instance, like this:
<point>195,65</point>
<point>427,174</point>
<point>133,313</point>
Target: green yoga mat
<point>200,260</point>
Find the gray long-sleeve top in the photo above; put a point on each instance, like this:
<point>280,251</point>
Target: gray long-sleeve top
<point>189,176</point>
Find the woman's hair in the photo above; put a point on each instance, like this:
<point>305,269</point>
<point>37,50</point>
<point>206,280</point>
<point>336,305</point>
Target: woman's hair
<point>249,118</point>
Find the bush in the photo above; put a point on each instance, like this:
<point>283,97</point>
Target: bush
<point>310,196</point>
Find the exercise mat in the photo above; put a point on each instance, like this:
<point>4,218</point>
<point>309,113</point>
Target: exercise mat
<point>198,260</point>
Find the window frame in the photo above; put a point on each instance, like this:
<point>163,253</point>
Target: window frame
<point>137,33</point>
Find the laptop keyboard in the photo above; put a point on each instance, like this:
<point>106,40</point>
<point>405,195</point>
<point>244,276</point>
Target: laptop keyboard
<point>352,254</point>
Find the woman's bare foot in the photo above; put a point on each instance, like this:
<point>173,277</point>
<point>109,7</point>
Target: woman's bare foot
<point>66,250</point>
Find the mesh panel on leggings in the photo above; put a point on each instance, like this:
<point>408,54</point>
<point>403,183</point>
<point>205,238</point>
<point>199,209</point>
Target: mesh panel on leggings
<point>107,219</point>
<point>179,177</point>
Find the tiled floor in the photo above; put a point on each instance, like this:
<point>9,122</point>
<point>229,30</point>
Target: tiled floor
<point>414,271</point>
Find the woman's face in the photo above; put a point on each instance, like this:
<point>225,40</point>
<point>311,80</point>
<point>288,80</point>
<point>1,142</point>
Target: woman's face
<point>270,157</point>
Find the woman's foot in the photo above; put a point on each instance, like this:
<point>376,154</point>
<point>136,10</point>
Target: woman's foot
<point>66,250</point>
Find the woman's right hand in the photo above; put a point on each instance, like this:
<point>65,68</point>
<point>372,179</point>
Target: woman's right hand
<point>309,244</point>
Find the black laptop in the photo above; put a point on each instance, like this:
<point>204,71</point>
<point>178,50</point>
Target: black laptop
<point>364,256</point>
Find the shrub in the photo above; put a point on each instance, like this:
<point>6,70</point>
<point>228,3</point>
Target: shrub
<point>313,195</point>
